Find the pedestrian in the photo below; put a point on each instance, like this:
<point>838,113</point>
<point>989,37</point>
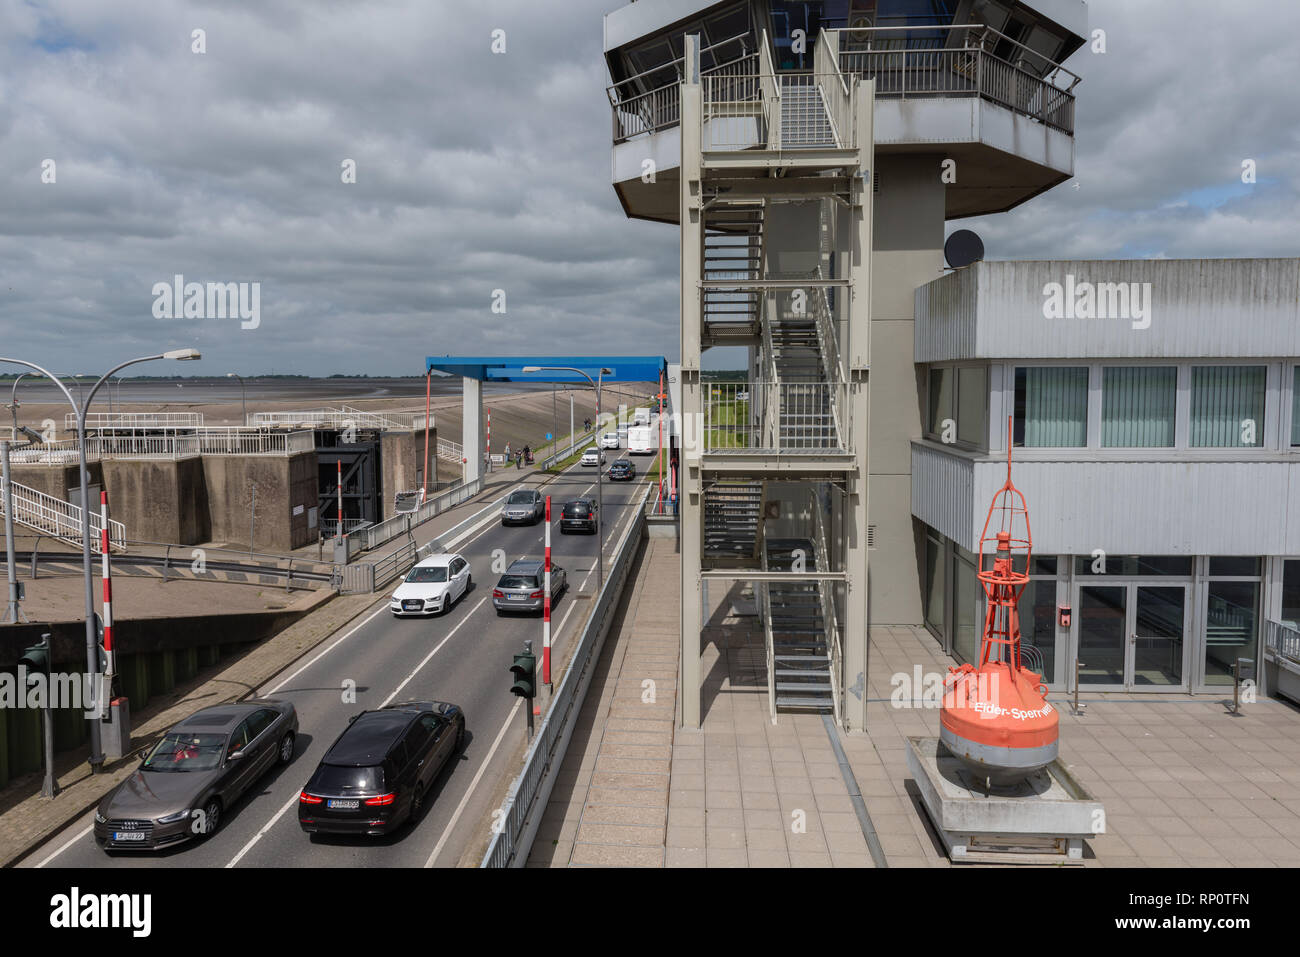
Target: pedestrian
<point>519,459</point>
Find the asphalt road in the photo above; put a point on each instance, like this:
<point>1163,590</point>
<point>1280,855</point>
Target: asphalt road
<point>462,656</point>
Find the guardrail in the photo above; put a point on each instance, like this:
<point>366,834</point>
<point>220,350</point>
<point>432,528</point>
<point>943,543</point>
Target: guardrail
<point>402,524</point>
<point>1282,639</point>
<point>531,790</point>
<point>341,418</point>
<point>572,449</point>
<point>135,420</point>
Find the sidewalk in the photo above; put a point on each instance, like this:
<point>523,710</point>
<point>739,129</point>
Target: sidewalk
<point>1184,783</point>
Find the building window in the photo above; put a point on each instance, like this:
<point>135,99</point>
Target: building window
<point>934,581</point>
<point>1133,566</point>
<point>1227,406</point>
<point>1138,406</point>
<point>959,402</point>
<point>941,389</point>
<point>1231,623</point>
<point>1291,592</point>
<point>972,405</point>
<point>966,604</point>
<point>1295,407</point>
<point>1037,611</point>
<point>1051,407</point>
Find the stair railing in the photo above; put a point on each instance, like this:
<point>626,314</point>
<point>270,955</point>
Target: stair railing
<point>837,93</point>
<point>765,608</point>
<point>771,94</point>
<point>829,345</point>
<point>829,620</point>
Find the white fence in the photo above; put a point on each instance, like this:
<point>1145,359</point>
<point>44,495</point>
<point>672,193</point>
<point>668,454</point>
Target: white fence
<point>61,519</point>
<point>135,420</point>
<point>342,418</point>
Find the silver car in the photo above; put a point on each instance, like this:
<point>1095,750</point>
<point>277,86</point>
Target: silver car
<point>521,587</point>
<point>524,506</point>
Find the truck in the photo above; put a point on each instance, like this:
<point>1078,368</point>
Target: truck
<point>641,417</point>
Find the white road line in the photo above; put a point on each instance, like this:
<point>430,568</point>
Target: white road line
<point>348,634</point>
<point>436,649</point>
<point>73,840</point>
<point>262,833</point>
<point>464,801</point>
<point>294,800</point>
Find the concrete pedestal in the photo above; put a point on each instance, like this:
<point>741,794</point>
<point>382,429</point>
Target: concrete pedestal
<point>1043,819</point>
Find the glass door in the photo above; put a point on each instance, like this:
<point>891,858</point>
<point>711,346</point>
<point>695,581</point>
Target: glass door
<point>1157,651</point>
<point>1131,637</point>
<point>1102,633</point>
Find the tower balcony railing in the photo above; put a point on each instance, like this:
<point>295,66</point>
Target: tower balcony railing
<point>906,66</point>
<point>768,416</point>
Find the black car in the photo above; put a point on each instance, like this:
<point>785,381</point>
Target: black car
<point>622,471</point>
<point>578,516</point>
<point>195,773</point>
<point>374,776</point>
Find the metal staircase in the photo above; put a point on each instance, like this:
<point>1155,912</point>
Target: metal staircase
<point>805,123</point>
<point>799,655</point>
<point>733,250</point>
<point>62,520</point>
<point>733,523</point>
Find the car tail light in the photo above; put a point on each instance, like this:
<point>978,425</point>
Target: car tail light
<point>536,594</point>
<point>498,593</point>
<point>305,798</point>
<point>383,799</point>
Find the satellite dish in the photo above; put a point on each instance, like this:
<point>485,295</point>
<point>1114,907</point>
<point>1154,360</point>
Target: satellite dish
<point>963,248</point>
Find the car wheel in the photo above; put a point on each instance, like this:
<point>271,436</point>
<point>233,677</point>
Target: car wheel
<point>286,748</point>
<point>417,802</point>
<point>460,738</point>
<point>211,817</point>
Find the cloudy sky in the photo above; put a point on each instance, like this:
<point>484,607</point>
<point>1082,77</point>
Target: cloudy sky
<point>478,171</point>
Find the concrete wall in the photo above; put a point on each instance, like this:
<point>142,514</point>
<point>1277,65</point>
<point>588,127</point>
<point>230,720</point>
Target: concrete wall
<point>399,464</point>
<point>159,500</point>
<point>55,479</point>
<point>285,485</point>
<point>907,252</point>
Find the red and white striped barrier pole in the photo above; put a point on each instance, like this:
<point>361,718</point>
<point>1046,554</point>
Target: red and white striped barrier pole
<point>339,533</point>
<point>108,583</point>
<point>489,440</point>
<point>546,603</point>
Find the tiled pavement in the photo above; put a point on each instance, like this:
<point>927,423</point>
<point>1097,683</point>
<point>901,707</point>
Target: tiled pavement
<point>1183,782</point>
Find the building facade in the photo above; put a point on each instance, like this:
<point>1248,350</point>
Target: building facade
<point>1155,424</point>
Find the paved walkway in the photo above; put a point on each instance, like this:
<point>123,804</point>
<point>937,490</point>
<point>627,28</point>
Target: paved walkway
<point>1184,783</point>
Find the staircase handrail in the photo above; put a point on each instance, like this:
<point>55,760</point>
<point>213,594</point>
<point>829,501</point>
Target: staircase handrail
<point>771,93</point>
<point>829,620</point>
<point>765,603</point>
<point>53,516</point>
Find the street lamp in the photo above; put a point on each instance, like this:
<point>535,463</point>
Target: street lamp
<point>600,471</point>
<point>92,642</point>
<point>243,397</point>
<point>13,398</point>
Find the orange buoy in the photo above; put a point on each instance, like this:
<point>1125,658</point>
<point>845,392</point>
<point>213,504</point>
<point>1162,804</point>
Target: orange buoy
<point>995,718</point>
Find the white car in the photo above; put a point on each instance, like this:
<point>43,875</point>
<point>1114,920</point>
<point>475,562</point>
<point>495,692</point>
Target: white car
<point>609,440</point>
<point>593,457</point>
<point>433,585</point>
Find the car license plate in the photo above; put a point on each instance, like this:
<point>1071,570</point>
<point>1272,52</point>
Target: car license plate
<point>413,605</point>
<point>343,805</point>
<point>128,835</point>
<point>518,597</point>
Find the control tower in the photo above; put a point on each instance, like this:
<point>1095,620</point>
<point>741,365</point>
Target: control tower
<point>810,154</point>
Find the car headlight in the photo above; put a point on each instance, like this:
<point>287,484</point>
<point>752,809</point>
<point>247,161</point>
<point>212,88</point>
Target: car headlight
<point>99,818</point>
<point>173,818</point>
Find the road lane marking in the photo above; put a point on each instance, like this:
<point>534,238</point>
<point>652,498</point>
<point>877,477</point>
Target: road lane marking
<point>464,801</point>
<point>265,827</point>
<point>436,649</point>
<point>348,634</point>
<point>73,840</point>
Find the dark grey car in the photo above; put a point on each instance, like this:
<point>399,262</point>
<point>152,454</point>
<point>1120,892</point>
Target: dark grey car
<point>521,587</point>
<point>524,506</point>
<point>197,771</point>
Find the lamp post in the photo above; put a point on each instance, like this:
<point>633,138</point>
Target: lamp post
<point>600,471</point>
<point>92,641</point>
<point>243,396</point>
<point>13,398</point>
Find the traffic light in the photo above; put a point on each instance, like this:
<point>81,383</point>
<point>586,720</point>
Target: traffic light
<point>36,659</point>
<point>525,671</point>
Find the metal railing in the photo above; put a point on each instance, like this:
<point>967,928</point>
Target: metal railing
<point>342,418</point>
<point>382,532</point>
<point>771,416</point>
<point>528,796</point>
<point>450,451</point>
<point>734,116</point>
<point>904,66</point>
<point>1282,639</point>
<point>207,441</point>
<point>135,420</point>
<point>638,111</point>
<point>830,620</point>
<point>49,453</point>
<point>764,596</point>
<point>53,516</point>
<point>329,527</point>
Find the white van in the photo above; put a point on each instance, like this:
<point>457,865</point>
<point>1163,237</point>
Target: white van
<point>641,440</point>
<point>641,417</point>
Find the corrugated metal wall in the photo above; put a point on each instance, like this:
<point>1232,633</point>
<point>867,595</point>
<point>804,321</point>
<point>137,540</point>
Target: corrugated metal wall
<point>1222,308</point>
<point>942,493</point>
